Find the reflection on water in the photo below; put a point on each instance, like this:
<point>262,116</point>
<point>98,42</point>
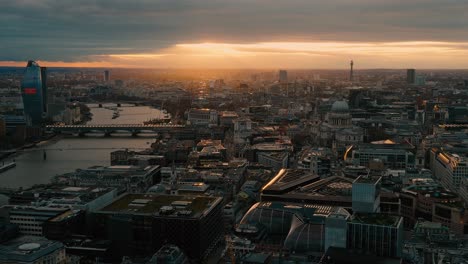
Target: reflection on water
<point>71,153</point>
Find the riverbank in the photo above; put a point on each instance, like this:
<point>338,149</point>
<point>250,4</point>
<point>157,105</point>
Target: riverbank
<point>13,153</point>
<point>67,153</point>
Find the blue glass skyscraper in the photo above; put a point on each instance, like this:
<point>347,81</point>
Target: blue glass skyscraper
<point>34,92</point>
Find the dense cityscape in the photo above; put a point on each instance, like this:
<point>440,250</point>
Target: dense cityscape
<point>240,166</point>
<point>233,132</point>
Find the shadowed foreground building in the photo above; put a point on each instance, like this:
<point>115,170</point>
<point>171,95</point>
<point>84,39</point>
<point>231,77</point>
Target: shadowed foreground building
<point>30,249</point>
<point>140,224</point>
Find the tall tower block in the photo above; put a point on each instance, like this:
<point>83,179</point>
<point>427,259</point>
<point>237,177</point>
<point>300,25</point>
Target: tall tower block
<point>33,92</point>
<point>351,73</point>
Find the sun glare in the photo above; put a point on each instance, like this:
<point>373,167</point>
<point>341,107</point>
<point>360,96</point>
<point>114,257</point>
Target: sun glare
<point>422,54</point>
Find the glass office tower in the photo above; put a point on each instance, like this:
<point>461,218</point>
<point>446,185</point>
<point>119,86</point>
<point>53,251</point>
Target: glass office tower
<point>34,92</point>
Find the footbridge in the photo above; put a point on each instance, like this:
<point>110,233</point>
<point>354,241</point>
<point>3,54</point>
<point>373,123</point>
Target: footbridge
<point>134,129</point>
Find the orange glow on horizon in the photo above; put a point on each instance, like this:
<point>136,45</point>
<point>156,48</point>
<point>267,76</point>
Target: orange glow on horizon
<point>325,55</point>
<point>60,64</point>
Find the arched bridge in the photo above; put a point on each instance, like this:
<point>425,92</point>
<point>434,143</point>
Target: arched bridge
<point>134,129</point>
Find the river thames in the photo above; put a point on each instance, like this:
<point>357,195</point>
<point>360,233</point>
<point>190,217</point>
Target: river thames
<point>69,153</point>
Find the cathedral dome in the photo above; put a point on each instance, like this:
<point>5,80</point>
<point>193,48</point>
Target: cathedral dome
<point>340,107</point>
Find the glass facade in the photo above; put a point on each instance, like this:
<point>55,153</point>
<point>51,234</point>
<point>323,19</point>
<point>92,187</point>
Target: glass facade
<point>33,90</point>
<point>305,237</point>
<point>366,195</point>
<point>381,240</point>
<point>276,221</point>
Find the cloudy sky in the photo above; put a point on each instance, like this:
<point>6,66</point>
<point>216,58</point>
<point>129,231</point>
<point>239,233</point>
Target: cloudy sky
<point>235,33</point>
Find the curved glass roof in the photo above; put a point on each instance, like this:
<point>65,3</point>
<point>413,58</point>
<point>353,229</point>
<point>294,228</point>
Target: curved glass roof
<point>305,237</point>
<point>276,221</point>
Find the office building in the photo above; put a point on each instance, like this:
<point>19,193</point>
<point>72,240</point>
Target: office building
<point>34,92</point>
<point>32,250</point>
<point>449,168</point>
<point>275,160</point>
<point>418,201</point>
<point>351,71</point>
<point>300,226</point>
<point>146,222</point>
<point>283,81</point>
<point>411,76</point>
<point>452,215</point>
<point>106,76</point>
<point>317,162</point>
<point>169,254</point>
<point>202,117</point>
<point>44,89</point>
<point>420,80</point>
<point>377,234</point>
<point>287,180</point>
<point>55,211</point>
<point>134,179</point>
<point>366,194</point>
<point>336,228</point>
<point>337,255</point>
<point>30,219</point>
<point>283,76</point>
<point>394,155</point>
<point>88,198</point>
<point>330,191</point>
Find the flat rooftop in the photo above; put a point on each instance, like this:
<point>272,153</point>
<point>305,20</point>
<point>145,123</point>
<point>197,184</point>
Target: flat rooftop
<point>432,190</point>
<point>118,170</point>
<point>27,249</point>
<point>60,194</point>
<point>369,180</point>
<point>288,179</point>
<point>331,186</point>
<point>376,219</point>
<point>311,211</point>
<point>154,204</point>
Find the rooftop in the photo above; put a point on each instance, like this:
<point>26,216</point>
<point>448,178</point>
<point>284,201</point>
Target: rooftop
<point>345,256</point>
<point>430,190</point>
<point>376,219</point>
<point>302,209</point>
<point>160,204</point>
<point>388,145</point>
<point>287,179</point>
<point>65,215</point>
<point>331,186</point>
<point>168,253</point>
<point>369,180</point>
<point>27,249</point>
<point>116,171</point>
<point>59,194</point>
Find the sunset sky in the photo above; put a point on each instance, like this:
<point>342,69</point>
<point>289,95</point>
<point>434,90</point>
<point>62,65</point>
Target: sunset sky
<point>235,34</point>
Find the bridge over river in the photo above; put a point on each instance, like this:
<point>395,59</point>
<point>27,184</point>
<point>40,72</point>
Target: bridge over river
<point>108,129</point>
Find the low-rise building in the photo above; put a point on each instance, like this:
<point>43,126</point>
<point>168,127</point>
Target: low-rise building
<point>394,155</point>
<point>378,234</point>
<point>131,178</point>
<point>32,250</point>
<point>30,219</point>
<point>202,116</point>
<point>275,160</point>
